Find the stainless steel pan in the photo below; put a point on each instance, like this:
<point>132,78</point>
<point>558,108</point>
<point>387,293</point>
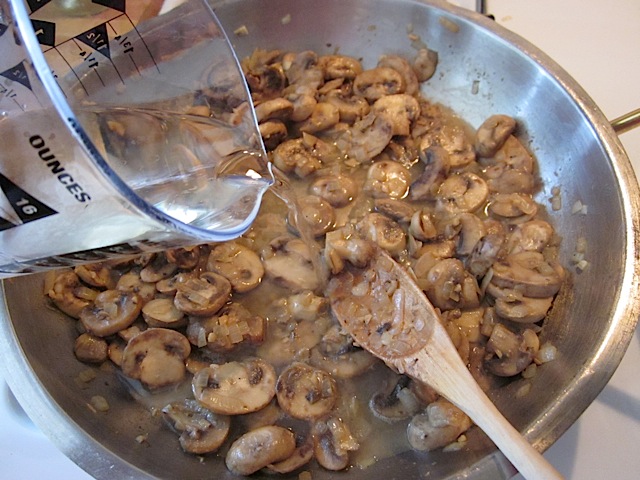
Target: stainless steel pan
<point>483,69</point>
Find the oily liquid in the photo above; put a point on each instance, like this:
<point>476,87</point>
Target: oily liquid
<point>197,170</point>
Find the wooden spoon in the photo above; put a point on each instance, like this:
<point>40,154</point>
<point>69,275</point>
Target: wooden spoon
<point>387,314</point>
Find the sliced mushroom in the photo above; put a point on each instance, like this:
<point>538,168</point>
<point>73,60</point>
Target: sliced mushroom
<point>400,109</point>
<point>428,256</point>
<point>203,295</point>
<point>464,192</point>
<point>404,68</point>
<point>184,257</point>
<point>383,231</point>
<point>90,349</point>
<point>492,134</point>
<point>453,138</point>
<point>156,357</point>
<point>324,116</point>
<point>350,107</point>
<point>338,190</point>
<point>343,245</point>
<point>367,138</point>
<point>339,66</point>
<point>131,282</point>
<point>258,448</point>
<point>513,208</point>
<point>425,64</point>
<point>502,179</point>
<point>96,275</point>
<point>485,252</point>
<point>169,286</point>
<point>332,443</point>
<point>299,458</point>
<point>399,210</point>
<point>441,424</point>
<point>337,355</point>
<point>158,269</point>
<point>288,261</point>
<point>508,353</point>
<point>378,82</point>
<point>297,156</point>
<point>529,273</point>
<point>397,404</point>
<point>70,295</point>
<point>521,309</point>
<point>512,155</point>
<point>201,431</point>
<point>466,229</point>
<point>305,392</point>
<point>273,133</point>
<point>161,312</point>
<point>531,236</point>
<point>450,286</point>
<point>235,388</point>
<point>238,264</point>
<point>387,179</point>
<point>318,215</point>
<point>274,109</point>
<point>436,169</point>
<point>421,226</point>
<point>296,64</point>
<point>112,310</point>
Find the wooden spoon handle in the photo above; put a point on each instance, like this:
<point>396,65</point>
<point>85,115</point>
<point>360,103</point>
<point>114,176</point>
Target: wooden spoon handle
<point>447,373</point>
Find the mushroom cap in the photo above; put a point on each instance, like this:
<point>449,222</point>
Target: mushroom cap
<point>204,295</point>
<point>258,448</point>
<point>111,311</point>
<point>156,357</point>
<point>235,388</point>
<point>238,264</point>
<point>306,392</point>
<point>201,431</point>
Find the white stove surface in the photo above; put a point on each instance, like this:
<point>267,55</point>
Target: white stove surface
<point>597,43</point>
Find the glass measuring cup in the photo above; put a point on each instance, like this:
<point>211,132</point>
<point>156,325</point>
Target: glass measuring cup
<point>124,128</point>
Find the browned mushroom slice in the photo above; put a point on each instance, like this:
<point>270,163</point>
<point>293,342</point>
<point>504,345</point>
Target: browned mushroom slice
<point>274,109</point>
<point>235,388</point>
<point>387,179</point>
<point>70,295</point>
<point>297,156</point>
<point>169,286</point>
<point>513,208</point>
<point>350,108</point>
<point>156,357</point>
<point>378,82</point>
<point>131,282</point>
<point>158,269</point>
<point>204,295</point>
<point>305,392</point>
<point>530,273</point>
<point>466,229</point>
<point>185,257</point>
<point>367,138</point>
<point>399,210</point>
<point>289,263</point>
<point>425,64</point>
<point>201,431</point>
<point>323,116</point>
<point>436,168</point>
<point>332,443</point>
<point>238,264</point>
<point>512,305</point>
<point>299,458</point>
<point>533,236</point>
<point>337,355</point>
<point>441,424</point>
<point>317,213</point>
<point>90,349</point>
<point>258,448</point>
<point>508,352</point>
<point>111,311</point>
<point>401,110</point>
<point>485,252</point>
<point>463,192</point>
<point>395,404</point>
<point>451,286</point>
<point>492,134</point>
<point>162,312</point>
<point>338,190</point>
<point>383,231</point>
<point>404,68</point>
<point>343,245</point>
<point>273,133</point>
<point>96,275</point>
<point>339,66</point>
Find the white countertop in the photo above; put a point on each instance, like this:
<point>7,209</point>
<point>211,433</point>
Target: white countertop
<point>597,42</point>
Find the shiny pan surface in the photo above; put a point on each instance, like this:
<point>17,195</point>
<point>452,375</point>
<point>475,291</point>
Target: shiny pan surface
<point>483,69</point>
